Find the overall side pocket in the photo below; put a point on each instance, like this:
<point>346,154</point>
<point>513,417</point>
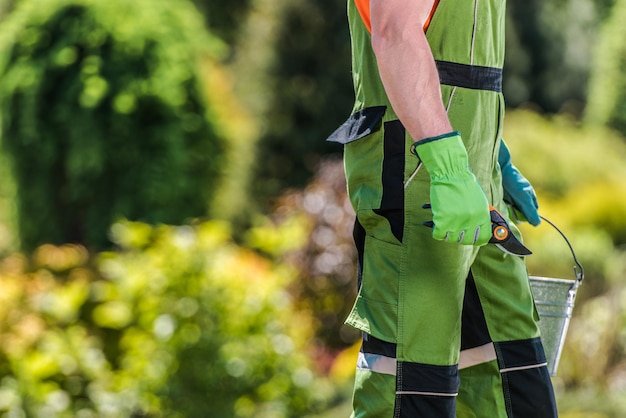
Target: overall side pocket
<point>374,158</point>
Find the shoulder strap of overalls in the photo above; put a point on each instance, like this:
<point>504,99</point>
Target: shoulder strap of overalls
<point>363,6</point>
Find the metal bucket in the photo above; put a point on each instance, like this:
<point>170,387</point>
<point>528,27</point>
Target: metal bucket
<point>554,299</point>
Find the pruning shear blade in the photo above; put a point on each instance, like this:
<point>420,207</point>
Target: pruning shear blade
<point>501,234</point>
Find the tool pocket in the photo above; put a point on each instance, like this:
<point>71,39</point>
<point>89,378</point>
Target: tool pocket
<point>359,125</point>
<point>376,308</point>
<point>374,159</point>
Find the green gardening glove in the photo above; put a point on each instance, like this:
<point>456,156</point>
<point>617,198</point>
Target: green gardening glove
<point>459,205</point>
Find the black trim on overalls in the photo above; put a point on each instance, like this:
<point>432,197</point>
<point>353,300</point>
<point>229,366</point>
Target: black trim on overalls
<point>392,201</point>
<point>424,390</point>
<point>526,379</point>
<point>470,76</point>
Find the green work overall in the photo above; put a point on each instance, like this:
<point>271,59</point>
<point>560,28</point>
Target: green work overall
<point>448,329</point>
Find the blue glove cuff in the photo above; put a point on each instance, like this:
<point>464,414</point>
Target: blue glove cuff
<point>504,156</point>
<point>520,193</point>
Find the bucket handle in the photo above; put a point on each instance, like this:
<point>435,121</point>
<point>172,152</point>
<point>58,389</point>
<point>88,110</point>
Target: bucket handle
<point>579,272</point>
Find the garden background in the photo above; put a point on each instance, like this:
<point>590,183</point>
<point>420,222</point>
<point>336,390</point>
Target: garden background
<point>174,233</point>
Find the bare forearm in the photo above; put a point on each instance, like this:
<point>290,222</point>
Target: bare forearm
<point>406,66</point>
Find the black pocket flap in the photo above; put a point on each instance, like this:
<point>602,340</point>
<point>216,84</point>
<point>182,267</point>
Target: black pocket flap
<point>358,125</point>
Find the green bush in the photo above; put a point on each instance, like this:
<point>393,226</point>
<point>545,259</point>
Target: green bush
<point>607,89</point>
<point>104,116</point>
<point>179,322</point>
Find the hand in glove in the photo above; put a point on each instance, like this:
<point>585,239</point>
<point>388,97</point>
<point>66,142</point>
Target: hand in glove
<point>459,205</point>
<point>517,189</point>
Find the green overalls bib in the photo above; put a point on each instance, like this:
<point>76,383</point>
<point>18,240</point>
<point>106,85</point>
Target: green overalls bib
<point>428,308</point>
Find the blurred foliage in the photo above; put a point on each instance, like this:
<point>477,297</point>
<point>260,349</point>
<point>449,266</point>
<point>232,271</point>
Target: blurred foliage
<point>300,89</point>
<point>224,17</point>
<point>549,49</point>
<point>177,322</point>
<point>103,116</point>
<point>233,122</point>
<point>578,171</point>
<point>604,7</point>
<point>607,90</point>
<point>326,259</point>
<point>5,7</point>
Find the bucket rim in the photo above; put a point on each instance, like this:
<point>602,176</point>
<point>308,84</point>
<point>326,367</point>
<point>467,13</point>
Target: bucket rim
<point>552,279</point>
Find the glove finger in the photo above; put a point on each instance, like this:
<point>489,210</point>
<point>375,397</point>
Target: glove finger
<point>534,200</point>
<point>528,208</point>
<point>532,216</point>
<point>471,237</point>
<point>483,234</point>
<point>439,234</point>
<point>479,236</point>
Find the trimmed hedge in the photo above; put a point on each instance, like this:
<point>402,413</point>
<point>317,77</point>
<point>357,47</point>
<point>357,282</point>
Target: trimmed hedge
<point>104,116</point>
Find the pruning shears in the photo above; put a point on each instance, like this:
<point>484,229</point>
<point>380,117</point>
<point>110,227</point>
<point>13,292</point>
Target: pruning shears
<point>501,234</point>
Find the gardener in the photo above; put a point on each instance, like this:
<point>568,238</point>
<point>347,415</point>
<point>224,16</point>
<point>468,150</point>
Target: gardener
<point>448,320</point>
